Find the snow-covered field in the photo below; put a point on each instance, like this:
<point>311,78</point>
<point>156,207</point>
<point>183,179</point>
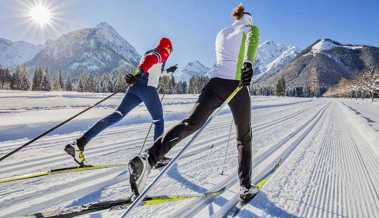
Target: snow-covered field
<point>329,150</point>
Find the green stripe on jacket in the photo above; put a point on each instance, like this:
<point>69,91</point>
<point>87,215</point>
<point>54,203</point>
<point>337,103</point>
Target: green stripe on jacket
<point>248,49</point>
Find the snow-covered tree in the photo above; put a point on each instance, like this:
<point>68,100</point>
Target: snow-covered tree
<point>61,80</point>
<point>20,79</point>
<point>5,78</point>
<point>45,83</point>
<point>167,85</point>
<point>37,79</point>
<point>181,87</point>
<point>120,83</point>
<point>82,86</point>
<point>281,87</point>
<point>68,85</point>
<point>91,84</point>
<point>104,83</point>
<point>108,84</point>
<point>197,83</point>
<point>366,83</point>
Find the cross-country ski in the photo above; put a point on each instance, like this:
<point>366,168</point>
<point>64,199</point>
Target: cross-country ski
<point>182,109</point>
<point>119,205</point>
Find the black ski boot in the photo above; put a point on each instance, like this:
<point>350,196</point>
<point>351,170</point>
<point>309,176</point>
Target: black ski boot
<point>76,150</point>
<point>246,194</point>
<point>139,170</point>
<point>162,163</point>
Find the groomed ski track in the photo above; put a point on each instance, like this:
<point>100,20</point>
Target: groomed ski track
<point>327,170</point>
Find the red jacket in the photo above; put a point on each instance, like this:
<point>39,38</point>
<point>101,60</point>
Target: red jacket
<point>159,55</point>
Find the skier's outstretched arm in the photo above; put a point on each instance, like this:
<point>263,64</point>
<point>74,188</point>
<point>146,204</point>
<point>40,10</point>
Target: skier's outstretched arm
<point>249,58</point>
<point>252,44</point>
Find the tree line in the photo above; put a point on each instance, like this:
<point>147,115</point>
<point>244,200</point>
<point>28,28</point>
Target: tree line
<point>42,80</point>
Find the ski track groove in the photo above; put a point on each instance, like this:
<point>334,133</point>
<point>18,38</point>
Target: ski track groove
<point>343,180</point>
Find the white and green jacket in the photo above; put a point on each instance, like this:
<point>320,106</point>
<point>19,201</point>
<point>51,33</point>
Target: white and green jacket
<point>234,46</point>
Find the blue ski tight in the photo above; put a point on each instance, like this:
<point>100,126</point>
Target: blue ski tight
<point>138,93</point>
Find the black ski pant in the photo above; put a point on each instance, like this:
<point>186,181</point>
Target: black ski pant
<point>212,96</point>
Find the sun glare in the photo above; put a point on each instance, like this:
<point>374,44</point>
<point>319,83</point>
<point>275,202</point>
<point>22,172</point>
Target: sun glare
<point>41,19</point>
<point>40,15</point>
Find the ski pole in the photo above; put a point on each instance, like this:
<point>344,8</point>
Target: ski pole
<point>139,198</point>
<point>148,132</point>
<point>227,147</point>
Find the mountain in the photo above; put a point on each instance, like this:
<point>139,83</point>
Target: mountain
<point>92,50</point>
<point>15,53</point>
<point>323,64</point>
<point>272,57</point>
<point>191,69</point>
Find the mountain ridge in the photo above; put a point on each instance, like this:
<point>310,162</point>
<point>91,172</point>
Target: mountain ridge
<point>90,50</point>
<point>323,64</point>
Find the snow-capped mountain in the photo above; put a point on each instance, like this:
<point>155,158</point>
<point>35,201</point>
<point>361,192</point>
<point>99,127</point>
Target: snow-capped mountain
<point>324,64</point>
<point>195,68</point>
<point>92,50</point>
<point>272,57</point>
<point>14,53</point>
<point>280,62</point>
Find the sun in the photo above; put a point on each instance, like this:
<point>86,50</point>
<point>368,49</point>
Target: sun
<point>41,19</point>
<point>40,14</point>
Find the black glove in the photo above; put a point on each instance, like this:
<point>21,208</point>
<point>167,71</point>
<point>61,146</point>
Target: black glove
<point>246,74</point>
<point>130,78</point>
<point>172,69</point>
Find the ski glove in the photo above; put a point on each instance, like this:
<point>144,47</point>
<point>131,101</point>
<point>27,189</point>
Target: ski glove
<point>246,74</point>
<point>172,69</point>
<point>130,78</point>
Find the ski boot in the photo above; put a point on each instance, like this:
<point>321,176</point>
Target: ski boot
<point>162,163</point>
<point>246,194</point>
<point>139,169</point>
<point>76,151</point>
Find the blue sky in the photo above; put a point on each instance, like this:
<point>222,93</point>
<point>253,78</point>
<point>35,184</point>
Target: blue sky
<point>193,24</point>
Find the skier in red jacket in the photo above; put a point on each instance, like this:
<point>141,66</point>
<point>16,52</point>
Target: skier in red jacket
<point>143,88</point>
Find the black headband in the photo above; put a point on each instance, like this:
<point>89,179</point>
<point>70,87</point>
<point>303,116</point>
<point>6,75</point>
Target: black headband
<point>247,13</point>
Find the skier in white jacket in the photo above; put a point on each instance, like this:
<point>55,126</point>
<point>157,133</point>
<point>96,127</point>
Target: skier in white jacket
<point>235,52</point>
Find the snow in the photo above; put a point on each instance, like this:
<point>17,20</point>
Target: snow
<point>329,165</point>
<point>323,45</point>
<point>364,116</point>
<point>327,44</point>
